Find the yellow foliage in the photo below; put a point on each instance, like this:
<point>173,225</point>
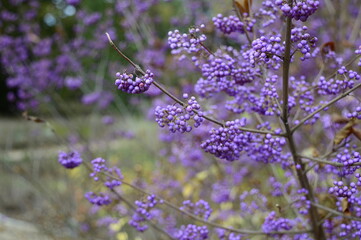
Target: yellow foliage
<point>122,236</point>
<point>202,175</point>
<point>188,190</point>
<point>119,225</point>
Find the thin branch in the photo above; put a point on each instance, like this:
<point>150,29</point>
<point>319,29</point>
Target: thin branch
<point>336,164</point>
<point>165,91</point>
<point>330,210</point>
<point>325,106</point>
<point>317,230</point>
<point>239,15</point>
<point>329,76</point>
<point>198,219</point>
<point>152,224</point>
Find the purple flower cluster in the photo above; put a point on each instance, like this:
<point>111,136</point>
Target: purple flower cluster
<point>178,118</point>
<point>200,208</point>
<point>193,232</point>
<point>232,23</point>
<point>228,142</point>
<point>100,199</point>
<point>274,223</point>
<point>300,10</point>
<point>143,213</point>
<point>190,42</point>
<point>70,160</point>
<point>335,85</point>
<point>128,84</point>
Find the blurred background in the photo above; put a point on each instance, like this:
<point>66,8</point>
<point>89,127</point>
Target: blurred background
<point>57,74</point>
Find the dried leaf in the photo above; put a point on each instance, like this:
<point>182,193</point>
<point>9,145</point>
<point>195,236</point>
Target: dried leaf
<point>328,47</point>
<point>344,132</point>
<point>345,206</point>
<point>357,133</point>
<point>32,118</point>
<point>243,6</point>
<point>315,153</point>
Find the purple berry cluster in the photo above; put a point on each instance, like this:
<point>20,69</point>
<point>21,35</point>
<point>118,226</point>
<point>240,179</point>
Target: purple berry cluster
<point>228,142</point>
<point>266,50</point>
<point>344,79</point>
<point>300,10</point>
<point>303,41</point>
<point>355,114</point>
<point>70,160</point>
<point>347,158</point>
<point>266,103</point>
<point>193,232</point>
<point>232,23</point>
<point>200,208</point>
<point>267,14</point>
<point>251,202</point>
<point>224,235</point>
<point>267,149</point>
<point>340,190</point>
<point>226,70</point>
<point>143,213</point>
<point>274,223</point>
<point>127,83</point>
<point>99,167</point>
<point>178,118</point>
<point>100,199</point>
<point>190,42</point>
<point>302,93</point>
<point>301,203</point>
<point>350,230</point>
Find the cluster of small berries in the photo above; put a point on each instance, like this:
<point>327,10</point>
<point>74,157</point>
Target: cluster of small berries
<point>192,231</point>
<point>190,42</point>
<point>335,86</point>
<point>200,208</point>
<point>70,160</point>
<point>98,199</point>
<point>340,190</point>
<point>178,118</point>
<point>99,166</point>
<point>266,50</point>
<point>300,10</point>
<point>228,142</point>
<point>127,83</point>
<point>143,213</point>
<point>303,41</point>
<point>348,159</point>
<point>274,223</point>
<point>355,114</point>
<point>266,103</point>
<point>232,23</point>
